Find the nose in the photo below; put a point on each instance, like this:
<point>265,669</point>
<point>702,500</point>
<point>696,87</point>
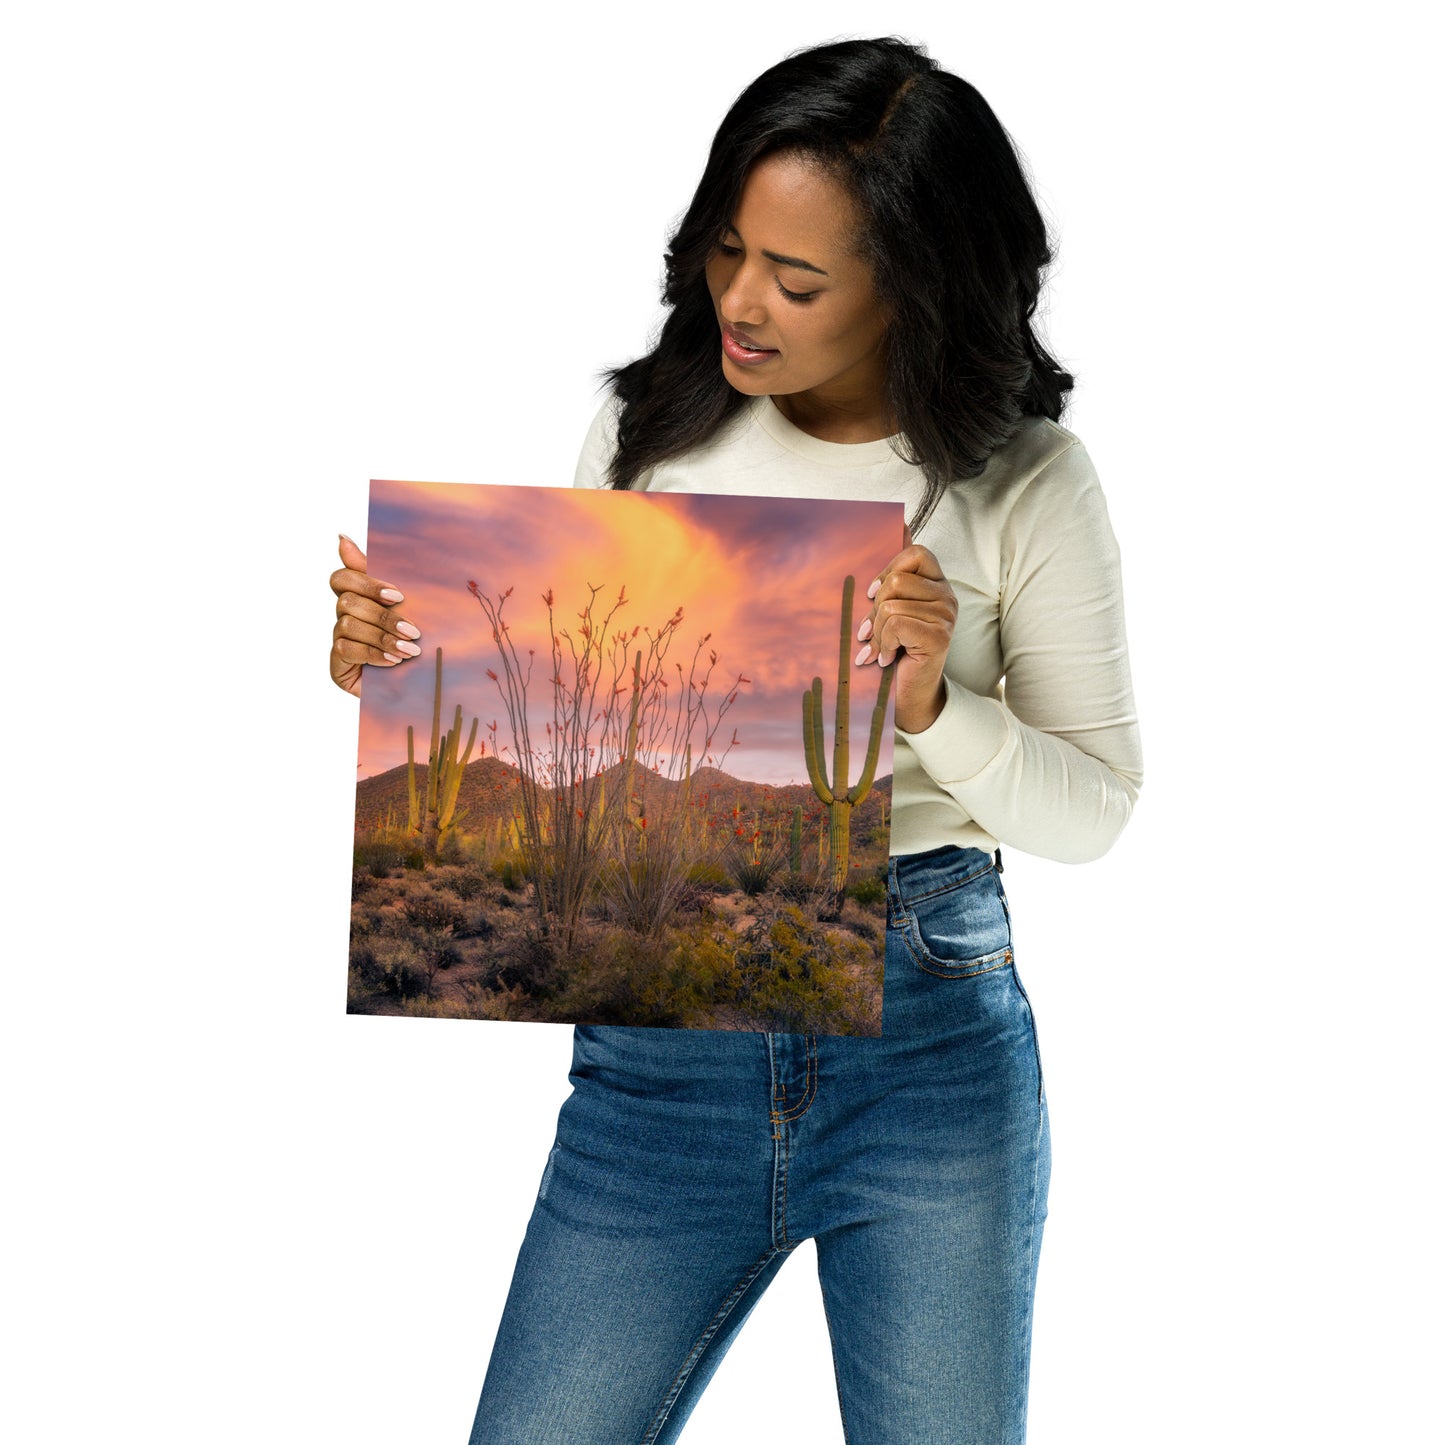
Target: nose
<point>741,302</point>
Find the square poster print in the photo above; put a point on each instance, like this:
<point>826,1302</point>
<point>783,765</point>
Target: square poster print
<point>635,776</point>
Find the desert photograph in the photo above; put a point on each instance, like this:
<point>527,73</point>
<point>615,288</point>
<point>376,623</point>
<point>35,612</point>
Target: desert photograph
<point>632,778</point>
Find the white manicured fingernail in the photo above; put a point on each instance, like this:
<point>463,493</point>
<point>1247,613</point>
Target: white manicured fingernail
<point>873,587</point>
<point>410,648</point>
<point>407,630</point>
<point>862,657</point>
<point>391,657</point>
<point>866,630</point>
<point>390,594</point>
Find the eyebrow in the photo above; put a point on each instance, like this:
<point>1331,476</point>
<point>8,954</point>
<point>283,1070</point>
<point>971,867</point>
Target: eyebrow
<point>795,261</point>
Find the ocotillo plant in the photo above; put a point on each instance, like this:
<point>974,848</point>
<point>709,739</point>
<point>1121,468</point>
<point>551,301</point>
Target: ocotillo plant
<point>615,708</point>
<point>839,798</point>
<point>443,773</point>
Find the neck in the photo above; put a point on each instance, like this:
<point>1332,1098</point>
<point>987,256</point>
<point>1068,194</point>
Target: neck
<point>836,420</point>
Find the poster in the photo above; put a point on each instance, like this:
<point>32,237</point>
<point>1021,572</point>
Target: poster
<point>635,776</point>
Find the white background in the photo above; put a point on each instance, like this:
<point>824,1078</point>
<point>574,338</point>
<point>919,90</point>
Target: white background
<point>258,254</point>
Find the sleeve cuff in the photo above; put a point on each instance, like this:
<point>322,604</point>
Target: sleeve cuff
<point>964,738</point>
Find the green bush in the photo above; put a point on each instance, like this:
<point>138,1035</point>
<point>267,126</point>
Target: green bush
<point>868,891</point>
<point>709,875</point>
<point>789,975</point>
<point>379,860</point>
<point>510,871</point>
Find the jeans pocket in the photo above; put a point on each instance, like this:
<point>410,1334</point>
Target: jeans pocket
<point>960,930</point>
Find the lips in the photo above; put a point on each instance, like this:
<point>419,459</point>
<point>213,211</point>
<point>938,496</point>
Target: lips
<point>741,349</point>
<point>743,339</point>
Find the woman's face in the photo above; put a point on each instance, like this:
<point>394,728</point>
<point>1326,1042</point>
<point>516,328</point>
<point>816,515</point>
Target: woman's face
<point>784,279</point>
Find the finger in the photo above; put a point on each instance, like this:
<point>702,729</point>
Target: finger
<point>346,675</point>
<point>349,650</point>
<point>352,576</point>
<point>912,558</point>
<point>351,555</point>
<point>354,630</point>
<point>346,580</point>
<point>911,584</point>
<point>352,604</point>
<point>906,593</point>
<point>914,625</point>
<point>915,636</point>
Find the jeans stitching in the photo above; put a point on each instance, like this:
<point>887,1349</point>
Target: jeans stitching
<point>962,968</point>
<point>810,1085</point>
<point>1033,1033</point>
<point>837,1373</point>
<point>1022,1346</point>
<point>703,1340</point>
<point>946,888</point>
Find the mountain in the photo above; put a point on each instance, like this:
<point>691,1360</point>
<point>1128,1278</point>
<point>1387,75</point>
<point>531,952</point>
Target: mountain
<point>491,789</point>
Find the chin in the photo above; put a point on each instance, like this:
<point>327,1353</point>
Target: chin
<point>745,382</point>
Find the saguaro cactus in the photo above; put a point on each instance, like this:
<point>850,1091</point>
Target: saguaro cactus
<point>839,798</point>
<point>443,772</point>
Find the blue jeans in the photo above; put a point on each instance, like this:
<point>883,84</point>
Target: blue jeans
<point>689,1164</point>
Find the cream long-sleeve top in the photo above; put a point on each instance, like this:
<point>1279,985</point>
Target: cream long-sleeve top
<point>1037,746</point>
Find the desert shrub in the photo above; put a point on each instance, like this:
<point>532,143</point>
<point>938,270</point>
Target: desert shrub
<point>793,976</point>
<point>364,965</point>
<point>870,892</point>
<point>531,963</point>
<point>415,860</point>
<point>799,888</point>
<point>496,1003</point>
<point>709,875</point>
<point>466,883</point>
<point>753,876</point>
<point>616,980</point>
<point>509,870</point>
<point>447,955</point>
<point>645,890</point>
<point>390,966</point>
<point>451,849</point>
<point>379,860</point>
<point>753,862</point>
<point>434,914</point>
<point>478,924</point>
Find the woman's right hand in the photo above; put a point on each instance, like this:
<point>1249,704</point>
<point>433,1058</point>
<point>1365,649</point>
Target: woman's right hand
<point>367,629</point>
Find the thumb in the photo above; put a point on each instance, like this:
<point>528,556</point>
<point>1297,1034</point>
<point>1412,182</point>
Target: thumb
<point>907,535</point>
<point>351,555</point>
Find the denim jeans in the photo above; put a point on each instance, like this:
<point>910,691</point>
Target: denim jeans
<point>689,1164</point>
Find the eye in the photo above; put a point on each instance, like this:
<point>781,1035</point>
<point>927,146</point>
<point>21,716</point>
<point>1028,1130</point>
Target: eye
<point>798,296</point>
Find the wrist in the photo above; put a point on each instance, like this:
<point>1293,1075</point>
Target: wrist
<point>916,715</point>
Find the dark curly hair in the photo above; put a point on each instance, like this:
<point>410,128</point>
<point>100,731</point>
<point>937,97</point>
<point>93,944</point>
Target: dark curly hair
<point>951,231</point>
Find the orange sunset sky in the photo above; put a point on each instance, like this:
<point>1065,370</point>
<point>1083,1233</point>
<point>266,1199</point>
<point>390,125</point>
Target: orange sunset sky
<point>763,575</point>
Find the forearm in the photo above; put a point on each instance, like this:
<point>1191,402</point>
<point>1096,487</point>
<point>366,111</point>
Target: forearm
<point>1029,788</point>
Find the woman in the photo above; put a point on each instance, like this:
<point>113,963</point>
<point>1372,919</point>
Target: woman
<point>850,301</point>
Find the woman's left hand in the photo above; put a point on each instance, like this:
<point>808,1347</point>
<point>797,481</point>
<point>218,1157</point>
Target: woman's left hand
<point>912,619</point>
